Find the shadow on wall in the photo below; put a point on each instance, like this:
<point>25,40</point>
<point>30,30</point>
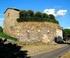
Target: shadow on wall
<point>59,40</point>
<point>8,50</point>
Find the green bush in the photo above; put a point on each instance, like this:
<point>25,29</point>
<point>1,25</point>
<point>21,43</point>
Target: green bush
<point>37,16</point>
<point>3,35</point>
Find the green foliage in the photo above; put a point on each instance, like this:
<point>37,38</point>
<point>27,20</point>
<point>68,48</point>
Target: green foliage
<point>56,22</point>
<point>23,14</point>
<point>66,31</point>
<point>44,15</point>
<point>52,19</point>
<point>3,35</point>
<point>66,34</point>
<point>38,16</point>
<point>1,29</point>
<point>30,13</point>
<point>51,16</point>
<point>19,20</point>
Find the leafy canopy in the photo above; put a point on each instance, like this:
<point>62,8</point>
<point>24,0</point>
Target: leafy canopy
<point>37,16</point>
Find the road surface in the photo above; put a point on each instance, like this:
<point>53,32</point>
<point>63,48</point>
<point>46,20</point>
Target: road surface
<point>53,54</point>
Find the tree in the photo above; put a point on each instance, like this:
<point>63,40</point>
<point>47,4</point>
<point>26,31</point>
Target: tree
<point>20,20</point>
<point>66,34</point>
<point>66,31</point>
<point>45,17</point>
<point>56,22</point>
<point>52,19</point>
<point>30,13</point>
<point>23,15</point>
<point>38,16</point>
<point>1,29</point>
<point>51,16</point>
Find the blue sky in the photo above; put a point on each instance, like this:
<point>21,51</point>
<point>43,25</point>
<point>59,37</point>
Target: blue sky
<point>60,8</point>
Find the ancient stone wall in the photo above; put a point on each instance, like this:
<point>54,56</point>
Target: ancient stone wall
<point>29,31</point>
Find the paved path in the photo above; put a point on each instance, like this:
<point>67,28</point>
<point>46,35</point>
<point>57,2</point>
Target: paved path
<point>53,54</point>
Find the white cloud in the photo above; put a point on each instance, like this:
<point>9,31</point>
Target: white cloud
<point>60,12</point>
<point>49,11</point>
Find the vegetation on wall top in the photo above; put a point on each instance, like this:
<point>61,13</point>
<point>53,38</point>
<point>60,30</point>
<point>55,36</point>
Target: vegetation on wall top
<point>37,16</point>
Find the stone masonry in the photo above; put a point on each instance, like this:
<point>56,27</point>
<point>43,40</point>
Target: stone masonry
<point>30,31</point>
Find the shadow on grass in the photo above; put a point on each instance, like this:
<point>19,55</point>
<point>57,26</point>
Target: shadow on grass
<point>8,50</point>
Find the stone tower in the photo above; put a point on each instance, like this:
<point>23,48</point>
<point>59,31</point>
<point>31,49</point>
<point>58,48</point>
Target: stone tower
<point>30,31</point>
<point>10,16</point>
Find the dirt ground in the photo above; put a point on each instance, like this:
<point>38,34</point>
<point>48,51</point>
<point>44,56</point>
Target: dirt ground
<point>34,49</point>
<point>66,55</point>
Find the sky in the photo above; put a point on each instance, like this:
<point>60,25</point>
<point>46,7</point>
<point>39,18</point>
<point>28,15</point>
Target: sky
<point>59,8</point>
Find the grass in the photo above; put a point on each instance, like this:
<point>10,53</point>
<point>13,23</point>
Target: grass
<point>5,36</point>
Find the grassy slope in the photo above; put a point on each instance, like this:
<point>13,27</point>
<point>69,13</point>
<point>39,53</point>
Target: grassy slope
<point>3,35</point>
